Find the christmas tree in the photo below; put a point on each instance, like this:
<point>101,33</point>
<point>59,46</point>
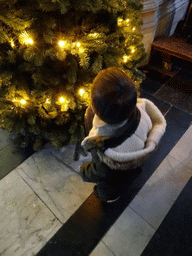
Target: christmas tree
<point>50,51</point>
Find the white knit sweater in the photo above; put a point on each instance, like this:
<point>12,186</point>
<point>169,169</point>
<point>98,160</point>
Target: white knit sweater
<point>137,148</point>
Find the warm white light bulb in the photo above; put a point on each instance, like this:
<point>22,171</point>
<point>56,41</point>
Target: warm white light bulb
<point>61,99</point>
<point>12,44</point>
<point>133,50</point>
<point>133,29</point>
<point>81,92</point>
<point>61,43</point>
<point>25,38</point>
<point>23,102</point>
<point>81,50</point>
<point>78,44</point>
<point>125,58</point>
<point>127,20</point>
<point>29,41</point>
<point>120,20</point>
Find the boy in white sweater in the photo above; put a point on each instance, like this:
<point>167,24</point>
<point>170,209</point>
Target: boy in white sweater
<point>125,132</point>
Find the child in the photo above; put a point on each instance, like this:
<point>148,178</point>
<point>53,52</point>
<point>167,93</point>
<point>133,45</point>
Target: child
<point>125,132</point>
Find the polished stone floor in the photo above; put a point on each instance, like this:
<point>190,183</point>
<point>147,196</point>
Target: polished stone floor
<point>46,209</point>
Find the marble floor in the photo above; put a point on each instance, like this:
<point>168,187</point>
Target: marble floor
<point>46,209</point>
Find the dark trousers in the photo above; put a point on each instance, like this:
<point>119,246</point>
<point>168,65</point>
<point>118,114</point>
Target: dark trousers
<point>116,184</point>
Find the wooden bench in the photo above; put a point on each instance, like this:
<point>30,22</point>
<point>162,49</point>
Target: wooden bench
<point>172,46</point>
<point>164,51</point>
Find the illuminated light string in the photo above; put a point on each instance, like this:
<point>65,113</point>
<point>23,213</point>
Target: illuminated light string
<point>76,44</point>
<point>28,40</point>
<point>93,35</point>
<point>21,101</point>
<point>63,44</point>
<point>127,57</point>
<point>126,22</point>
<point>61,99</point>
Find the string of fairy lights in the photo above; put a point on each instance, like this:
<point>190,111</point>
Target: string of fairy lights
<point>77,47</point>
<point>62,100</point>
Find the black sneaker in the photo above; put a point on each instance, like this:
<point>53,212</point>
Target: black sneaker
<point>95,191</point>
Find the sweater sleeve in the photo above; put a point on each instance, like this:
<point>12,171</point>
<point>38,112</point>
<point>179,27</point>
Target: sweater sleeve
<point>95,170</point>
<point>158,122</point>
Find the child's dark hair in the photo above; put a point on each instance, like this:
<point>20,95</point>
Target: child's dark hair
<point>113,95</point>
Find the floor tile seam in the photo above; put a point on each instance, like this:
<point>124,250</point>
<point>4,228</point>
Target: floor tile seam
<point>165,85</point>
<point>190,127</point>
<point>142,217</point>
<point>107,247</point>
<point>190,113</point>
<point>65,164</point>
<point>180,162</point>
<point>5,146</point>
<point>39,197</point>
<point>172,105</point>
<point>153,95</point>
<point>188,70</point>
<point>57,159</point>
<point>168,110</point>
<point>177,71</point>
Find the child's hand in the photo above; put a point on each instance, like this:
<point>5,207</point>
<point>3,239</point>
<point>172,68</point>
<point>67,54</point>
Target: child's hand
<point>83,171</point>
